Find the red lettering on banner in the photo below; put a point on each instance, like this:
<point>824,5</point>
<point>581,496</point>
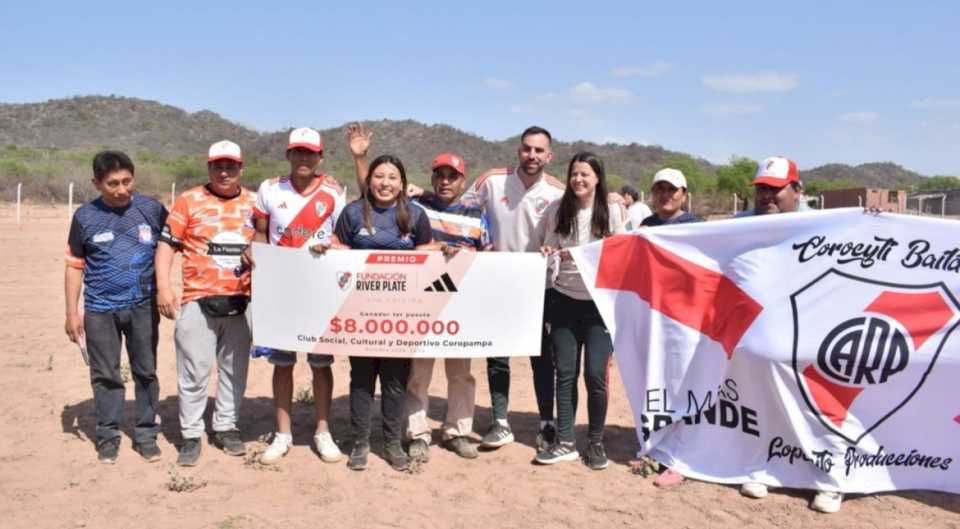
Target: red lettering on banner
<point>397,258</point>
<point>684,291</point>
<point>957,419</point>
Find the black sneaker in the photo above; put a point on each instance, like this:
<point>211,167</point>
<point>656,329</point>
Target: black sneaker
<point>358,456</point>
<point>229,441</point>
<point>395,455</point>
<point>419,451</point>
<point>462,447</point>
<point>558,452</point>
<point>497,436</point>
<point>107,450</point>
<point>189,452</point>
<point>148,450</point>
<point>546,437</point>
<point>597,456</point>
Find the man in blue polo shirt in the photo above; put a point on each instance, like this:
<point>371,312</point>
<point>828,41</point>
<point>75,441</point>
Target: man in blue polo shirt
<point>110,250</point>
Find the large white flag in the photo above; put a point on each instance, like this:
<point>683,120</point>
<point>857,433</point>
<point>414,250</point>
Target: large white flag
<point>812,350</point>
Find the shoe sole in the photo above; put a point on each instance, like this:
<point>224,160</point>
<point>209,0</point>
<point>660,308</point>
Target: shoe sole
<point>234,453</point>
<point>151,459</point>
<point>497,444</point>
<point>186,463</point>
<point>569,457</point>
<point>112,461</point>
<point>352,466</point>
<point>599,467</point>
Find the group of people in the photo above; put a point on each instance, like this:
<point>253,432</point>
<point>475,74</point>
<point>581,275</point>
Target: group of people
<point>121,248</point>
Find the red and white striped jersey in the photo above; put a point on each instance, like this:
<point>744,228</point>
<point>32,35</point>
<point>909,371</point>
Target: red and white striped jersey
<point>300,220</point>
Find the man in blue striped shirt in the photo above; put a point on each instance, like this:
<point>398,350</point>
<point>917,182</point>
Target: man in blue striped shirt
<point>110,250</point>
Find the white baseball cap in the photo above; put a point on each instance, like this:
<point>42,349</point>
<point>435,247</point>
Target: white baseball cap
<point>224,150</point>
<point>671,176</point>
<point>777,171</point>
<point>307,138</point>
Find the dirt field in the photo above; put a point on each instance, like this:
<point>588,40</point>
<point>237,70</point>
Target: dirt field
<point>49,475</point>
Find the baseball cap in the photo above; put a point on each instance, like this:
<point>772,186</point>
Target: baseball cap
<point>448,159</point>
<point>307,138</point>
<point>777,171</point>
<point>672,176</point>
<point>224,150</point>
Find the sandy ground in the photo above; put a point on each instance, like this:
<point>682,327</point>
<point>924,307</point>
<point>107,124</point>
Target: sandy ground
<point>49,475</point>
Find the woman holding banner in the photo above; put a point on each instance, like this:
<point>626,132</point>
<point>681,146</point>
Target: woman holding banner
<point>382,219</point>
<point>581,216</point>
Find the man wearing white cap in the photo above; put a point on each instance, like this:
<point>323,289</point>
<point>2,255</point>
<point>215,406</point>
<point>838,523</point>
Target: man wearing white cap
<point>669,191</point>
<point>300,210</point>
<point>211,225</point>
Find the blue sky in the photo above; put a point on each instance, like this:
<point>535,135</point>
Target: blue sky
<point>820,82</point>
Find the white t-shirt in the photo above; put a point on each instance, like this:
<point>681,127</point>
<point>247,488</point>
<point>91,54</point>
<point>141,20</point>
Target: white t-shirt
<point>514,211</point>
<point>568,280</point>
<point>635,215</point>
<point>300,221</point>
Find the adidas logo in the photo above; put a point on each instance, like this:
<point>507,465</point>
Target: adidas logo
<point>444,284</point>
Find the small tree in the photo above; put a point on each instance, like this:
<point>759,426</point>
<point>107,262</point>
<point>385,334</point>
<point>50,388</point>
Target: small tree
<point>736,176</point>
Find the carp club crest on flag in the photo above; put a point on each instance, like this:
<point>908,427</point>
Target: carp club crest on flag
<point>862,361</point>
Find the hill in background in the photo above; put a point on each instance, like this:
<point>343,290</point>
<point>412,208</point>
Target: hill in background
<point>48,144</point>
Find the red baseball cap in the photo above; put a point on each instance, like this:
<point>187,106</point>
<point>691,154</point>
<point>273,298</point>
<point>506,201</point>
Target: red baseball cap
<point>448,159</point>
<point>777,171</point>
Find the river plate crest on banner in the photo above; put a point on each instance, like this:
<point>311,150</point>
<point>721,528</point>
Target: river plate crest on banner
<point>846,359</point>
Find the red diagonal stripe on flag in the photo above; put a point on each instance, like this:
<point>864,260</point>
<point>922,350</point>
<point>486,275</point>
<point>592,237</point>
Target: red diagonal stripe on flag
<point>684,291</point>
<point>833,400</point>
<point>923,315</point>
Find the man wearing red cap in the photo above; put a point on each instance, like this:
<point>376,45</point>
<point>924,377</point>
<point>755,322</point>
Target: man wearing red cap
<point>211,225</point>
<point>300,211</point>
<point>778,190</point>
<point>455,227</point>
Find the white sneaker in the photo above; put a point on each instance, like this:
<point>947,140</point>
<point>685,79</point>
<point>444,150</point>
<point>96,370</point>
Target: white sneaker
<point>827,502</point>
<point>754,490</point>
<point>329,452</point>
<point>277,449</point>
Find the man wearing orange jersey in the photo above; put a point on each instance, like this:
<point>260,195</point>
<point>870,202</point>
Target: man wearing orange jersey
<point>211,225</point>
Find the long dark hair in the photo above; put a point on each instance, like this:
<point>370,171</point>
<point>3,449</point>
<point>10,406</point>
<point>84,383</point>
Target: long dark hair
<point>403,207</point>
<point>567,212</point>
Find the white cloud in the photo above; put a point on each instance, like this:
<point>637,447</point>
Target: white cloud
<point>726,109</point>
<point>861,118</point>
<point>937,103</point>
<point>499,84</point>
<point>753,82</point>
<point>653,70</point>
<point>587,92</point>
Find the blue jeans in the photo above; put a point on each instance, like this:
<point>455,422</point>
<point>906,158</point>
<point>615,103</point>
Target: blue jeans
<point>575,323</point>
<point>138,328</point>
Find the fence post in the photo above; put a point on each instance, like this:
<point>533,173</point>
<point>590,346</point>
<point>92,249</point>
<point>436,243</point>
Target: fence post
<point>821,201</point>
<point>173,193</point>
<point>943,205</point>
<point>19,187</point>
<point>643,198</point>
<point>690,202</point>
<point>70,201</point>
<point>735,203</point>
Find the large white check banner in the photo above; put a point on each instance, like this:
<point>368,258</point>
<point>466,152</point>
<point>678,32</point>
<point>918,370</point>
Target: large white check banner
<point>813,350</point>
<point>398,304</point>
